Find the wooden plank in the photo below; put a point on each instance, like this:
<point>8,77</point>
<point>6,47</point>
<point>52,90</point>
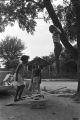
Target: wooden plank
<point>37,104</point>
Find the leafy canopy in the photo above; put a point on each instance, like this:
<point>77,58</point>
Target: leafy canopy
<point>10,49</point>
<point>22,11</point>
<point>67,16</point>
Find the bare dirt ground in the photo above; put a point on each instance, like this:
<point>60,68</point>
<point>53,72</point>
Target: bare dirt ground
<point>59,106</point>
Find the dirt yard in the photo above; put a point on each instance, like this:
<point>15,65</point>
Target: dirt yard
<point>57,108</point>
<point>60,106</point>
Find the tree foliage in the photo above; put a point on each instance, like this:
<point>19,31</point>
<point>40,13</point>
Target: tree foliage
<point>50,59</point>
<point>22,11</point>
<point>66,56</point>
<point>10,51</point>
<point>67,16</point>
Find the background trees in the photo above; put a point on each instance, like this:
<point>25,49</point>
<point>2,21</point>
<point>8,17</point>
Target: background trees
<point>10,51</point>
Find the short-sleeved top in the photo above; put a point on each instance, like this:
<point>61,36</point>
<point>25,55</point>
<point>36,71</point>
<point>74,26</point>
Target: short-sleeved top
<point>20,73</point>
<point>56,37</point>
<point>21,69</point>
<point>36,72</point>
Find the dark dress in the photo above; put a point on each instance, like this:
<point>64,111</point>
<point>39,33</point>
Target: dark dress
<point>36,79</point>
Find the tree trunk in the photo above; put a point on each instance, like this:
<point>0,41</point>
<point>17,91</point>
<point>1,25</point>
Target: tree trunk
<point>78,72</point>
<point>77,9</point>
<point>56,22</point>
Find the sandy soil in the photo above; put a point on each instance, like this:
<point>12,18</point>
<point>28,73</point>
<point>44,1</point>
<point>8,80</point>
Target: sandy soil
<point>57,108</point>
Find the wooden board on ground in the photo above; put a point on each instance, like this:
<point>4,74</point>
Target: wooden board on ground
<point>38,103</point>
<point>37,96</point>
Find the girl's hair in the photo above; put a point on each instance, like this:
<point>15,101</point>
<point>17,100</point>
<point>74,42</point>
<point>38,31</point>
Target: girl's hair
<point>52,28</point>
<point>24,58</point>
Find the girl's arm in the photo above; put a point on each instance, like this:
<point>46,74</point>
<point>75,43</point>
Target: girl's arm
<point>57,29</point>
